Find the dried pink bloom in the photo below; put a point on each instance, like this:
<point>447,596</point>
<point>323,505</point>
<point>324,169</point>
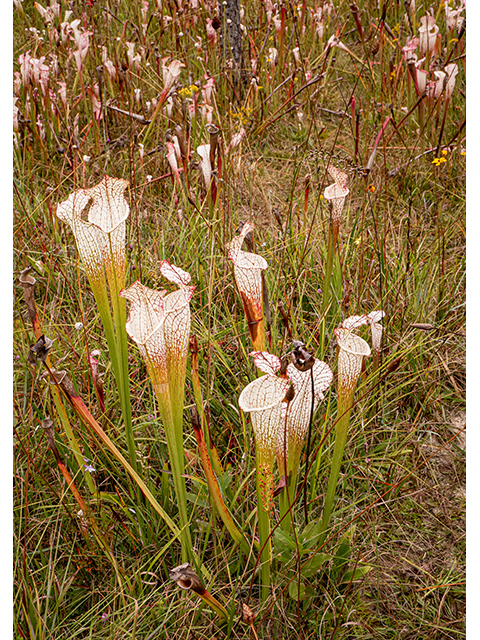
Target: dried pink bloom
<point>247,268</point>
<point>236,140</point>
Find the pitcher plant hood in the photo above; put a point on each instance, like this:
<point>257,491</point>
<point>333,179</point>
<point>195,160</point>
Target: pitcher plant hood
<point>263,399</point>
<point>297,412</point>
<point>337,192</point>
<point>100,239</point>
<point>247,270</point>
<point>350,359</point>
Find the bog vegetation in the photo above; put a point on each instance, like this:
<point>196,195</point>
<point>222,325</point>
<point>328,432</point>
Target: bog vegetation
<point>239,319</point>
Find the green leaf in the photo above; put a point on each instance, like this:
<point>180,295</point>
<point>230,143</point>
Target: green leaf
<point>359,573</point>
<point>311,534</point>
<point>294,592</point>
<point>283,541</point>
<point>341,556</point>
<point>314,564</point>
<point>196,499</point>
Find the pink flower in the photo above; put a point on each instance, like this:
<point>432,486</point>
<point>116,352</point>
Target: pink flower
<point>269,10</point>
<point>278,23</point>
<point>409,50</point>
<point>96,104</point>
<point>207,113</point>
<point>25,67</point>
<point>15,115</point>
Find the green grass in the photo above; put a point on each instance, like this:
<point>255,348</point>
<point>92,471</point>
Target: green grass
<point>399,513</point>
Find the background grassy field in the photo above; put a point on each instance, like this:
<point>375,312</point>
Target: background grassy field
<point>400,511</point>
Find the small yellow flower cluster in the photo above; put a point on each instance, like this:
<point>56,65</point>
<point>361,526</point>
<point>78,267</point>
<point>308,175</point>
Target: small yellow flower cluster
<point>187,92</point>
<point>438,161</point>
<point>242,116</point>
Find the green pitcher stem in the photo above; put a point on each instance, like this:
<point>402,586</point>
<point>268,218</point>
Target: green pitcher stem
<point>286,500</point>
<point>328,272</point>
<point>120,317</point>
<point>176,461</point>
<point>345,402</point>
<point>263,518</point>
